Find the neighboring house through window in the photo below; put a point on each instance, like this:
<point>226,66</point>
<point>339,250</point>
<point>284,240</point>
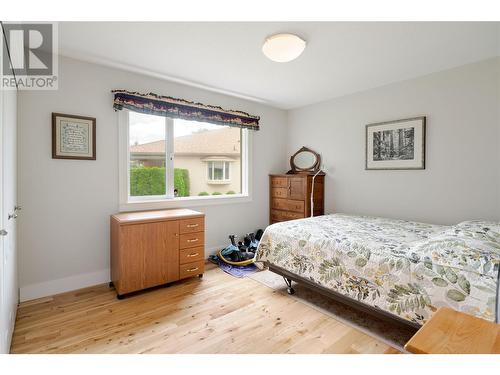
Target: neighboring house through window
<point>167,158</point>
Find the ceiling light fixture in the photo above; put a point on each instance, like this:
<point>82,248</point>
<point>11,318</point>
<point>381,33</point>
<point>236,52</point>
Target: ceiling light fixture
<point>283,47</point>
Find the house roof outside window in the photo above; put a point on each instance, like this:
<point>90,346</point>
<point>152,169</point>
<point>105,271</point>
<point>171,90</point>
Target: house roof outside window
<point>220,142</point>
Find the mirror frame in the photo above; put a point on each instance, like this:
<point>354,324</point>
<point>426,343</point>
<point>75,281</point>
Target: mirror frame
<point>313,169</point>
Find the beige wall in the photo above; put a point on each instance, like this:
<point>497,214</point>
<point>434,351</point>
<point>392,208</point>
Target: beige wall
<point>67,203</point>
<point>198,177</point>
<point>461,180</point>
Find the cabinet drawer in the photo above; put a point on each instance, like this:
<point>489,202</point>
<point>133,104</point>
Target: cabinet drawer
<point>277,215</point>
<point>297,188</point>
<point>288,205</point>
<point>279,192</point>
<point>188,240</point>
<point>191,269</point>
<point>196,224</point>
<point>191,255</point>
<point>279,182</point>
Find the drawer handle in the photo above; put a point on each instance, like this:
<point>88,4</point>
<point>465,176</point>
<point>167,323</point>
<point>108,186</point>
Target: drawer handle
<point>193,254</point>
<point>192,225</point>
<point>193,240</point>
<point>192,269</point>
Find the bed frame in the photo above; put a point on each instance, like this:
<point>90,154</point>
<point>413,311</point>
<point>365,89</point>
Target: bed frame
<point>289,277</point>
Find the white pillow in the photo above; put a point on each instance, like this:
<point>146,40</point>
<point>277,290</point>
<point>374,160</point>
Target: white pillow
<point>481,229</point>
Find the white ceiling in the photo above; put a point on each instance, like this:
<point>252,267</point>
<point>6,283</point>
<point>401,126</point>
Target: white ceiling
<point>340,58</point>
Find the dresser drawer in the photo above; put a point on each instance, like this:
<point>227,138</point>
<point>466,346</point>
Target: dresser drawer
<point>279,182</point>
<point>279,192</point>
<point>191,255</point>
<point>196,224</point>
<point>277,215</point>
<point>191,269</point>
<point>188,240</point>
<point>288,205</point>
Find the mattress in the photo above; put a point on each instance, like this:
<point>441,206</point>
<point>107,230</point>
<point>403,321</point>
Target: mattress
<point>406,268</point>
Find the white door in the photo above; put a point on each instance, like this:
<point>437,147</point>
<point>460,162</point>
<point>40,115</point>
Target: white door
<point>3,234</point>
<point>8,216</point>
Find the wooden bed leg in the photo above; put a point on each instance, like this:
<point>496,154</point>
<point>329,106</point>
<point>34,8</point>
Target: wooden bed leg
<point>288,282</point>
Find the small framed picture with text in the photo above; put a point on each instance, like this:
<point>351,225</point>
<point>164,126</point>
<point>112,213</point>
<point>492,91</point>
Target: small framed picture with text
<point>73,137</point>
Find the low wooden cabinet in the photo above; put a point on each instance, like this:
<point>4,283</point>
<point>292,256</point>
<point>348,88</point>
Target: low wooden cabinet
<point>290,196</point>
<point>152,248</point>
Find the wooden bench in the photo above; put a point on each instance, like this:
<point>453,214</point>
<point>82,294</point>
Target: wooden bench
<point>453,332</point>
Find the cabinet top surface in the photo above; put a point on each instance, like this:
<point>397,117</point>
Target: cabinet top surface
<point>141,216</point>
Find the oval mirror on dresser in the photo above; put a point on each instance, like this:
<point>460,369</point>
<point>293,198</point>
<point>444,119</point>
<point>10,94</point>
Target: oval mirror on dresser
<point>305,161</point>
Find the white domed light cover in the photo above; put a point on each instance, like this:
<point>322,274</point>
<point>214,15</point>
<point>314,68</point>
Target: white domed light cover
<point>283,47</point>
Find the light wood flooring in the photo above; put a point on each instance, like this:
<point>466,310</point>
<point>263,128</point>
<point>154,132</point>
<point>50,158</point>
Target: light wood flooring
<point>216,314</point>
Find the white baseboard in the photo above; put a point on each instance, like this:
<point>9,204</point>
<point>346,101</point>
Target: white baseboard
<point>67,284</point>
<point>213,250</point>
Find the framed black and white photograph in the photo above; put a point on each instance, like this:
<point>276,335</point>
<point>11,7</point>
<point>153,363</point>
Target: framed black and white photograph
<point>73,137</point>
<point>398,144</point>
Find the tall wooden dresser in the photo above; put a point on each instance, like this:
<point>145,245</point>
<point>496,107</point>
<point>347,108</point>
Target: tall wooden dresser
<point>290,196</point>
<point>151,248</point>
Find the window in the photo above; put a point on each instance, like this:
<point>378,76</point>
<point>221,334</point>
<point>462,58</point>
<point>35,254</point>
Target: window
<point>206,153</point>
<point>218,172</point>
<point>147,167</point>
<point>167,160</point>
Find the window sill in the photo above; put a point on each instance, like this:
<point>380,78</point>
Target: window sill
<point>184,202</point>
<point>218,182</point>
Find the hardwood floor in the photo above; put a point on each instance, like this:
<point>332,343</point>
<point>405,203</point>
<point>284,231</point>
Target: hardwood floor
<point>216,314</point>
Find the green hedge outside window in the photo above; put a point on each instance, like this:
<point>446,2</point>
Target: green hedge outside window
<point>151,181</point>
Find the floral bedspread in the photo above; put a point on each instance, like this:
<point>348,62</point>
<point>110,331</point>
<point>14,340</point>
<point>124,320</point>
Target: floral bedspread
<point>406,268</point>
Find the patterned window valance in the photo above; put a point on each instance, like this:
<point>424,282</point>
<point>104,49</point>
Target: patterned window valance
<point>183,109</point>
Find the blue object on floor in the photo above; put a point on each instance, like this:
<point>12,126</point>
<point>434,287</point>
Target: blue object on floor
<point>228,250</point>
<point>236,271</point>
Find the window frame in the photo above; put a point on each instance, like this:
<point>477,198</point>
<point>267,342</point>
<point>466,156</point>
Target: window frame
<point>225,179</point>
<point>129,203</point>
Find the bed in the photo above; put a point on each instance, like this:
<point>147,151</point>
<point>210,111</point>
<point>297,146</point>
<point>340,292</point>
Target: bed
<point>401,269</point>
